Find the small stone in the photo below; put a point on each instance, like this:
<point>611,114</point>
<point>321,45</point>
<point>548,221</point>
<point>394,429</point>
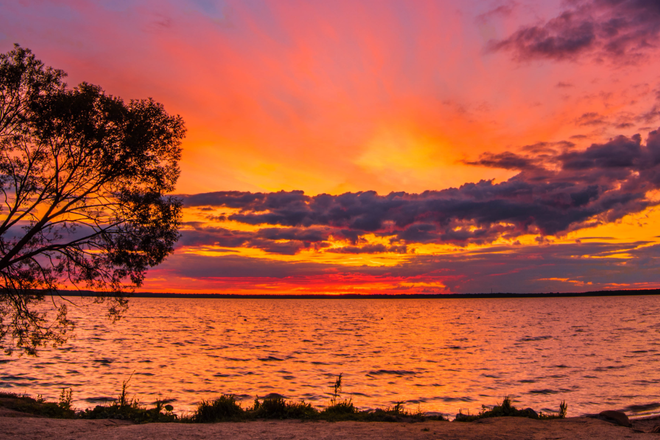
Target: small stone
<point>616,417</point>
<point>529,412</point>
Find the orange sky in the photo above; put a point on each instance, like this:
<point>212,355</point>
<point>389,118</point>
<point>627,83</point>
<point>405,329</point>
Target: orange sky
<point>386,96</point>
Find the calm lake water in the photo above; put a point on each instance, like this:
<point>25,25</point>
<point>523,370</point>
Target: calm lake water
<point>439,354</point>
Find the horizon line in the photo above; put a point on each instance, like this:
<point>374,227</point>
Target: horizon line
<point>623,292</point>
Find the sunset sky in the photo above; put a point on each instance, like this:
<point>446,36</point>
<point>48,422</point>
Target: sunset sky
<point>389,146</point>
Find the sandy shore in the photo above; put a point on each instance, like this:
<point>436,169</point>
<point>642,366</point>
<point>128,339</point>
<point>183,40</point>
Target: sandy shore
<point>19,426</point>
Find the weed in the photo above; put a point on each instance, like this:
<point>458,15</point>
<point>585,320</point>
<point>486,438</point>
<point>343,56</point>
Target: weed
<point>391,414</point>
<point>563,408</point>
<point>279,408</point>
<point>123,400</point>
<point>226,408</point>
<point>337,390</point>
<point>66,398</point>
<point>38,406</point>
<point>133,412</point>
<point>398,409</point>
<point>221,409</point>
<point>506,409</point>
<point>125,409</point>
<point>339,409</point>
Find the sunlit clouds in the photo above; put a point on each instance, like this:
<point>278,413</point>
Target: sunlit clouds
<point>389,146</point>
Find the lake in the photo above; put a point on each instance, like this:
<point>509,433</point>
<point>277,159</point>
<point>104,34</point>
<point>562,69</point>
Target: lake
<point>438,355</point>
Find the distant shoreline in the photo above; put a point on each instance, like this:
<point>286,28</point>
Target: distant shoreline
<point>377,296</point>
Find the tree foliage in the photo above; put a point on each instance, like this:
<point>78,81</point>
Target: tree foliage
<point>83,184</point>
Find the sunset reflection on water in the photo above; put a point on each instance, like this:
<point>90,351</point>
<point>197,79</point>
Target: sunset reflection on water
<point>438,355</point>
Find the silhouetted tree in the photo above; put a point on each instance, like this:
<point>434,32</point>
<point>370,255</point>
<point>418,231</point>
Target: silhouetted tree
<point>83,178</point>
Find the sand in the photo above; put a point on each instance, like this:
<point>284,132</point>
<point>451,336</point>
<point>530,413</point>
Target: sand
<point>20,426</point>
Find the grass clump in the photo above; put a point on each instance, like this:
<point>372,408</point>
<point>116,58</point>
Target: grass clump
<point>273,406</point>
<point>398,413</point>
<point>131,409</point>
<point>39,406</point>
<point>389,414</point>
<point>219,410</point>
<point>279,408</point>
<point>226,408</point>
<point>506,409</point>
<point>346,410</point>
<point>123,408</point>
<point>339,409</point>
<point>563,409</point>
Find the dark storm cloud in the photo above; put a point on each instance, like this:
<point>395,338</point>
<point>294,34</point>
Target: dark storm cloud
<point>231,199</point>
<point>557,190</point>
<point>620,30</point>
<point>287,241</point>
<point>506,160</point>
<point>369,249</point>
<point>308,235</point>
<point>621,153</point>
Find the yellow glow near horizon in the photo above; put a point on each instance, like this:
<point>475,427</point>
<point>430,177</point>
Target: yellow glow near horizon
<point>631,229</point>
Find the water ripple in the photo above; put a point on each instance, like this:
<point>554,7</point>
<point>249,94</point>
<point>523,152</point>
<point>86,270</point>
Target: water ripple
<point>443,355</point>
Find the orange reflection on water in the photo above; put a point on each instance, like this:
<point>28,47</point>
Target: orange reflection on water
<point>441,354</point>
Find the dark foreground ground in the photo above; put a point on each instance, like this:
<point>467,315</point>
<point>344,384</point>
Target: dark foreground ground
<point>15,425</point>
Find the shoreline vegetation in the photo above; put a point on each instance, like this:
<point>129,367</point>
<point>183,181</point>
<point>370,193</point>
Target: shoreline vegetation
<point>270,407</point>
<point>75,293</point>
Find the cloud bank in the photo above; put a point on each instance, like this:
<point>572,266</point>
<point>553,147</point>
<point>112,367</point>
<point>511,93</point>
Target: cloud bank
<point>557,190</point>
<point>527,269</point>
<point>619,30</point>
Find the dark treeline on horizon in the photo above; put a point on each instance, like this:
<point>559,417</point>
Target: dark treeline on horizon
<point>378,296</point>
